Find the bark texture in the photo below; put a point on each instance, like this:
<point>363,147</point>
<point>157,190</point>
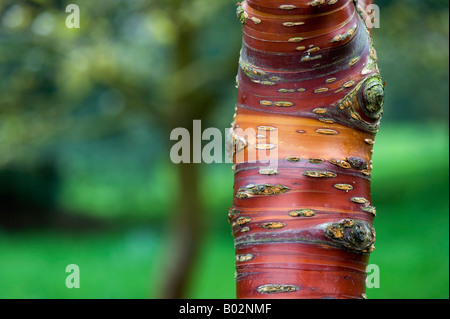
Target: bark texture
<point>303,226</point>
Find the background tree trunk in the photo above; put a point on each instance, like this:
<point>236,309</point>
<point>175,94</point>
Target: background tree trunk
<point>303,226</point>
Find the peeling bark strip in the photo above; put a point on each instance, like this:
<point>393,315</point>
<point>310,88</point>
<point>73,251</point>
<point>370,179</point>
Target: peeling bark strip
<point>303,225</point>
<point>270,289</point>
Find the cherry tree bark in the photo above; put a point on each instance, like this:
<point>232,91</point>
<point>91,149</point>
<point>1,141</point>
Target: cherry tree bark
<point>303,225</point>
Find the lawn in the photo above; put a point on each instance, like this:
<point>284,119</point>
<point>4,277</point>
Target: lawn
<point>410,190</point>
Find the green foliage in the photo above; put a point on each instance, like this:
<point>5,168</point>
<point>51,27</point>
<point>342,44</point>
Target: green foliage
<point>117,69</point>
<point>413,50</point>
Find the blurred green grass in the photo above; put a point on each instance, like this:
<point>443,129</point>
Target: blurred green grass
<point>410,190</point>
<point>114,265</point>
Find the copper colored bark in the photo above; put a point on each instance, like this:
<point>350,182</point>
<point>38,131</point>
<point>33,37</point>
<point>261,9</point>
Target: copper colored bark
<point>303,227</point>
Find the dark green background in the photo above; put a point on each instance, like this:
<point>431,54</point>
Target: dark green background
<point>85,118</point>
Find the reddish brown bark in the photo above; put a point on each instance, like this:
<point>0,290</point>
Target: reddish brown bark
<point>303,228</point>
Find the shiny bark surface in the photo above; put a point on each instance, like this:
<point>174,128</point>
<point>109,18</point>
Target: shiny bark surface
<point>309,99</point>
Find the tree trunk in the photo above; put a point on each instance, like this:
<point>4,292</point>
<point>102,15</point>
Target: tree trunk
<point>310,100</point>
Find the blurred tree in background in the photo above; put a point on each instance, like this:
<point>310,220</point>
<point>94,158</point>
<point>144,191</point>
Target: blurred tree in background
<point>85,119</point>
